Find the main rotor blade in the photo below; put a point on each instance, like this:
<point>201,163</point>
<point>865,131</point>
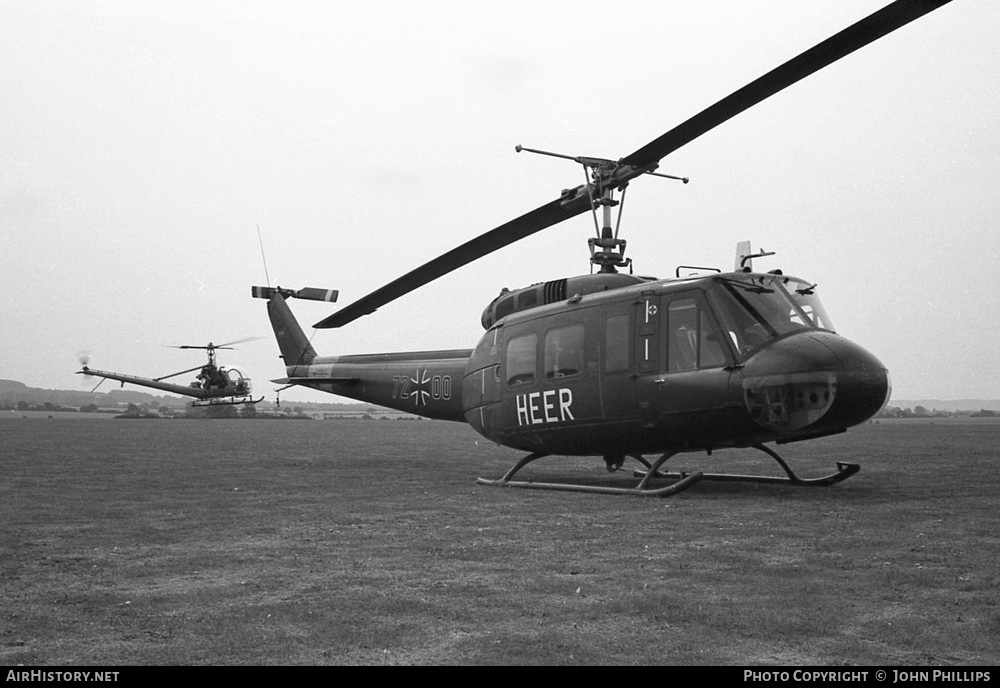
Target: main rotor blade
<point>224,345</point>
<point>238,341</point>
<point>515,230</point>
<point>858,35</point>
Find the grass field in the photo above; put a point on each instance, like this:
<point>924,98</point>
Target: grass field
<point>169,542</point>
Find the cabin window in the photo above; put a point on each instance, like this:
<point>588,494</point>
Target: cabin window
<point>710,352</point>
<point>692,340</point>
<point>616,343</point>
<point>563,351</point>
<point>521,359</point>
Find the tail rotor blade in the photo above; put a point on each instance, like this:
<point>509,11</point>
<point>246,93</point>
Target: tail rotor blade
<point>310,293</point>
<point>314,294</point>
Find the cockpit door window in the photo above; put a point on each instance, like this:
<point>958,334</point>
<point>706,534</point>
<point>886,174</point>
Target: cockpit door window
<point>693,341</point>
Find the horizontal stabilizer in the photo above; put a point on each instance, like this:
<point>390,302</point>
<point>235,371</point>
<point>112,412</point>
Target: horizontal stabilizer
<point>311,293</point>
<point>306,380</point>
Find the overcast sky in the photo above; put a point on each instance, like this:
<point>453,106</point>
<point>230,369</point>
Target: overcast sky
<point>142,143</point>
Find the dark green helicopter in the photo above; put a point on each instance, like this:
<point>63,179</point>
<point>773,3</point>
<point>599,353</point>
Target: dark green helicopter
<point>618,365</point>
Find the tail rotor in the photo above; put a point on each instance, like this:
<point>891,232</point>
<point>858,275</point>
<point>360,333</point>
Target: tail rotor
<point>295,346</point>
<point>84,355</point>
<point>309,293</point>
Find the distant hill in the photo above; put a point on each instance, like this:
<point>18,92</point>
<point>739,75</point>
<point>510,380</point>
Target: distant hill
<point>948,404</point>
<point>12,392</point>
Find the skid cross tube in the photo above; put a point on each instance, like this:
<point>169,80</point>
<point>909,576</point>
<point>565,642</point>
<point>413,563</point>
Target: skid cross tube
<point>683,482</point>
<point>844,471</point>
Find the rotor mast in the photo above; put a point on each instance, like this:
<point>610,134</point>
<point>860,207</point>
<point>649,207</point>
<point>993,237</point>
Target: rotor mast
<point>607,251</point>
<point>602,177</point>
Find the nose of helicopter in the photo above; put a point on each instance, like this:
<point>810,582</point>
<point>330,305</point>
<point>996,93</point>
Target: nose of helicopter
<point>814,380</point>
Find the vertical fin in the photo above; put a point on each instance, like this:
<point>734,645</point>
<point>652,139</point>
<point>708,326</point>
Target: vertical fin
<point>294,345</point>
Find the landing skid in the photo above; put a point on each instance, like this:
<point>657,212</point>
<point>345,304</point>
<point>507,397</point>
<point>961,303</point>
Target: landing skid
<point>682,481</point>
<point>226,401</point>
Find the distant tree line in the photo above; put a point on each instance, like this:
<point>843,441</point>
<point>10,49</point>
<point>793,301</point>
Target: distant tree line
<point>154,410</point>
<point>16,396</point>
<point>923,412</point>
<point>25,406</point>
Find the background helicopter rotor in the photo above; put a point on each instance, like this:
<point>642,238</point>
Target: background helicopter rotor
<point>645,159</point>
<point>210,346</point>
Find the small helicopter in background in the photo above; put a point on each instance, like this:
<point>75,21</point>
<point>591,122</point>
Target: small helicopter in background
<point>214,385</point>
<point>618,365</point>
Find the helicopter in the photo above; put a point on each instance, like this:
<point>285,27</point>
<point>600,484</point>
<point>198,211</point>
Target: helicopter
<point>213,386</point>
<point>616,365</point>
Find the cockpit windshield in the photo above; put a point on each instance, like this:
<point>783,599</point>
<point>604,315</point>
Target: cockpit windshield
<point>803,294</point>
<point>758,308</point>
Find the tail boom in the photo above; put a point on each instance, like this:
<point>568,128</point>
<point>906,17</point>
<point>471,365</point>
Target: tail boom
<point>425,383</point>
<point>185,390</point>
